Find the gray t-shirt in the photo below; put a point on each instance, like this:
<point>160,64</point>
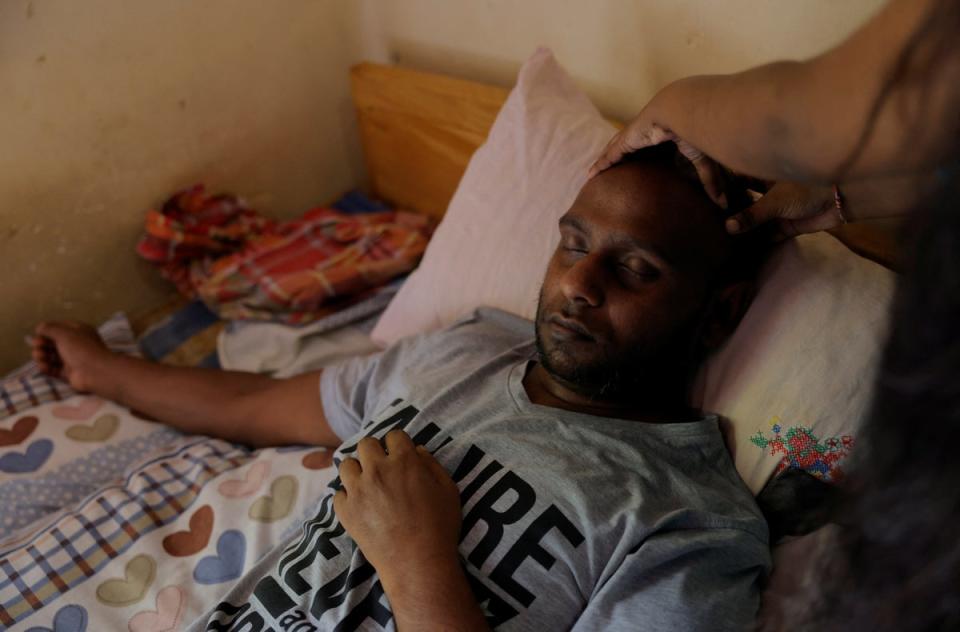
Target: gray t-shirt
<point>571,521</point>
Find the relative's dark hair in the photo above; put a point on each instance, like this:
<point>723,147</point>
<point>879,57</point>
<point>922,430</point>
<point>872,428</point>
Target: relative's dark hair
<point>895,564</point>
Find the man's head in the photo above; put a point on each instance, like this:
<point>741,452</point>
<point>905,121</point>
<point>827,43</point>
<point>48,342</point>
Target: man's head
<point>640,283</point>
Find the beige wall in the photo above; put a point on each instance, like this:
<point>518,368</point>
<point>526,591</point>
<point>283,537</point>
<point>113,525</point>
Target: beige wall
<point>107,106</point>
<point>620,51</point>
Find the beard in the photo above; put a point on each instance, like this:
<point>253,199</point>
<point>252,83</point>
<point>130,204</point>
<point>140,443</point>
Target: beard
<point>607,375</point>
<point>608,372</point>
<point>598,381</point>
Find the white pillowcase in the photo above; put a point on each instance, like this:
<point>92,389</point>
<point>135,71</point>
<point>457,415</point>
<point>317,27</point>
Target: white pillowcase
<point>500,229</point>
<point>793,381</point>
<point>796,377</point>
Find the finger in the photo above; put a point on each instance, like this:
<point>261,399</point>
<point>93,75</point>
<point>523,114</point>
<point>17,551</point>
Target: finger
<point>780,231</point>
<point>369,452</point>
<point>40,345</point>
<point>38,341</point>
<point>438,471</point>
<point>44,329</point>
<point>51,330</point>
<point>51,367</point>
<point>628,140</point>
<point>43,355</point>
<point>51,357</point>
<point>47,334</point>
<point>611,153</point>
<point>341,507</point>
<point>48,369</point>
<point>830,218</point>
<point>711,174</point>
<point>758,185</point>
<point>654,136</point>
<point>81,327</point>
<point>398,443</point>
<point>713,179</point>
<point>350,471</point>
<point>761,212</point>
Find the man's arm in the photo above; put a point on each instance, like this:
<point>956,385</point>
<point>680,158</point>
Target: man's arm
<point>243,407</point>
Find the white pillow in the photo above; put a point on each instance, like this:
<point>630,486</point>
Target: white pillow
<point>803,354</point>
<point>796,377</point>
<point>500,229</point>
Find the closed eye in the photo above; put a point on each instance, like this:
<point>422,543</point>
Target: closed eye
<point>642,271</point>
<point>573,243</point>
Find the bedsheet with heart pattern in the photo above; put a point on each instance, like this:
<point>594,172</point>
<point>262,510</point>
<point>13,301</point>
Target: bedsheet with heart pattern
<point>110,521</point>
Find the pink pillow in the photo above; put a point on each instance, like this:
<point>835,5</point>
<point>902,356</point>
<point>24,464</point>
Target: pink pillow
<point>500,229</point>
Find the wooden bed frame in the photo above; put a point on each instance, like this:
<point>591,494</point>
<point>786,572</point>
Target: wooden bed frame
<point>420,129</point>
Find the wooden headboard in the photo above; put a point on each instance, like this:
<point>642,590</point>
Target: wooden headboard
<point>419,130</point>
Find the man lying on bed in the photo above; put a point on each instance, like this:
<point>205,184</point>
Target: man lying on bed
<point>593,496</point>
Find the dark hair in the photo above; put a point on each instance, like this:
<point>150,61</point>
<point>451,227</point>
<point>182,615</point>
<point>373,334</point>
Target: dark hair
<point>896,563</point>
<point>668,155</point>
<point>752,248</point>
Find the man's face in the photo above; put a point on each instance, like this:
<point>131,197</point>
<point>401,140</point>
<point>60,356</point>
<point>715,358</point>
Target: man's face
<point>626,289</point>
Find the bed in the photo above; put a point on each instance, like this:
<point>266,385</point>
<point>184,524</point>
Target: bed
<point>111,521</point>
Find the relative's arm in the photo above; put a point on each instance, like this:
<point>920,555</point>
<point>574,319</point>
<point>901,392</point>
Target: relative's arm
<point>796,208</point>
<point>814,120</point>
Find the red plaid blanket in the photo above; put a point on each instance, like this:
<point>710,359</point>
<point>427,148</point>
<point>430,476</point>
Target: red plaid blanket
<point>246,266</point>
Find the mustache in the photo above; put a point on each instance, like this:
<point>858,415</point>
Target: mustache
<point>569,316</point>
<point>572,324</point>
<point>568,311</point>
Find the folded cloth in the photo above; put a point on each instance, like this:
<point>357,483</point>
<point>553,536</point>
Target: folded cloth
<point>246,266</point>
<point>282,350</point>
